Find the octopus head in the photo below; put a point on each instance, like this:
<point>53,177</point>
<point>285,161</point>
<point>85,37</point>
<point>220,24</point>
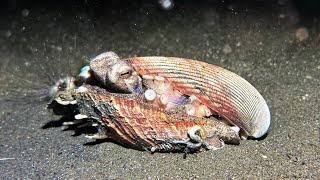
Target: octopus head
<point>115,74</point>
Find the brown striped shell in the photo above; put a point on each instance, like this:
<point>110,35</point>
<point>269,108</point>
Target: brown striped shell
<point>131,121</point>
<point>224,92</point>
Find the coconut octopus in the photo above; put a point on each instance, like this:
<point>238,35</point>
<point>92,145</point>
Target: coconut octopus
<point>164,104</point>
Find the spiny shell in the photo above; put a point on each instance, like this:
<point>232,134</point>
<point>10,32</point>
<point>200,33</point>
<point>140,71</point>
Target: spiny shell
<point>135,123</point>
<point>226,93</point>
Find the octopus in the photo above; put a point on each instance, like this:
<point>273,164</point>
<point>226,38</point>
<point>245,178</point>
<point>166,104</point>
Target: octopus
<point>164,104</point>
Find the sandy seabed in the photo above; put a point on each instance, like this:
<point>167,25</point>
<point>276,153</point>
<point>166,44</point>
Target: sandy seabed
<point>273,46</point>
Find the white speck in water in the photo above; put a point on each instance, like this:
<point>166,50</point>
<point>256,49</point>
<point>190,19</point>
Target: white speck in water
<point>166,4</point>
<point>27,64</point>
<point>25,12</point>
<point>8,34</point>
<point>59,48</point>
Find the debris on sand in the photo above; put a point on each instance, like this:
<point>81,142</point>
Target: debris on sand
<point>227,49</point>
<point>302,34</point>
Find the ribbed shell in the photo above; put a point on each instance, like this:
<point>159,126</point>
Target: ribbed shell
<point>226,93</point>
<point>143,126</point>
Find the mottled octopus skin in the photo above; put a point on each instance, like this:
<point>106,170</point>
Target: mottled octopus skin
<point>224,92</point>
<point>134,123</point>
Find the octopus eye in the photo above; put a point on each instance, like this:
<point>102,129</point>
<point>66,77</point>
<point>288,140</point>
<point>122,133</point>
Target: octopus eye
<point>126,74</point>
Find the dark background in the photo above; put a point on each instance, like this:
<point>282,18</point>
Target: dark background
<point>272,44</point>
